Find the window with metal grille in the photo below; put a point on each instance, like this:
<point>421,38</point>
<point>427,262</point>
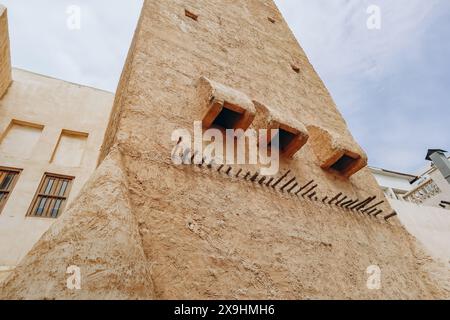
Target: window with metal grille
<point>8,178</point>
<point>51,196</point>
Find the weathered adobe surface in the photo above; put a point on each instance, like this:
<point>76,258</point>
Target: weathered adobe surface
<point>98,233</point>
<point>5,59</point>
<point>202,234</point>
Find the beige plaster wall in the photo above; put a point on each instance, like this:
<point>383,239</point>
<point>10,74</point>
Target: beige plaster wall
<point>54,106</point>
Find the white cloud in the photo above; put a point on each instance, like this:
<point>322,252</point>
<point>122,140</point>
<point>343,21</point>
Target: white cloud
<point>335,33</point>
<point>390,92</point>
<point>93,56</point>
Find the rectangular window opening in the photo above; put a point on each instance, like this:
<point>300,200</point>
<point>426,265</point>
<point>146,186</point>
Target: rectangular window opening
<point>227,118</point>
<point>285,139</point>
<point>8,179</point>
<point>345,163</point>
<point>51,196</point>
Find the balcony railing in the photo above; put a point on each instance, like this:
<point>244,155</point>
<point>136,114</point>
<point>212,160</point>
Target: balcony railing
<point>423,192</point>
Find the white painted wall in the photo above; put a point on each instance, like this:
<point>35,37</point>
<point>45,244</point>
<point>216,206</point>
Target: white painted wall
<point>392,182</point>
<point>430,225</point>
<point>438,178</point>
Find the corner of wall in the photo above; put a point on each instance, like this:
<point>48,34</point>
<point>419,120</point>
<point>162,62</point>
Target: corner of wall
<point>5,56</point>
<point>122,88</point>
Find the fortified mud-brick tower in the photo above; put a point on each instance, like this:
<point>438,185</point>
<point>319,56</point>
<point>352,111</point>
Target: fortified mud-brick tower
<point>146,228</point>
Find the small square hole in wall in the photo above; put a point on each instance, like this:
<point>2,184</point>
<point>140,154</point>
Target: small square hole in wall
<point>191,15</point>
<point>344,164</point>
<point>285,139</point>
<point>226,108</point>
<point>295,68</point>
<point>227,118</point>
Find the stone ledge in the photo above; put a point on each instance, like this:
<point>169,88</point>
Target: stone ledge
<point>336,154</point>
<point>220,99</point>
<point>289,126</point>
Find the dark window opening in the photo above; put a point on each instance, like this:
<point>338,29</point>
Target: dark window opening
<point>295,68</point>
<point>191,15</point>
<point>271,19</point>
<point>344,163</point>
<point>285,139</point>
<point>227,119</point>
<point>51,196</point>
<point>8,179</point>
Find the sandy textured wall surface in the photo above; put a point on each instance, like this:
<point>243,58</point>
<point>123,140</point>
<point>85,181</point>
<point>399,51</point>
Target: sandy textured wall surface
<point>5,57</point>
<point>196,232</point>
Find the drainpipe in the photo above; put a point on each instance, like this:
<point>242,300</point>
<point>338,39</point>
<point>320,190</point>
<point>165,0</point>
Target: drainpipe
<point>441,162</point>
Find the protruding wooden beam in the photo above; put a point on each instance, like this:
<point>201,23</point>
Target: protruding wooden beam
<point>324,200</point>
<point>229,170</point>
<point>350,204</point>
<point>362,204</point>
<point>281,179</point>
<point>293,187</point>
<point>372,207</point>
<point>389,216</point>
<point>335,198</point>
<point>220,168</point>
<point>288,183</point>
<point>202,163</point>
<point>210,164</point>
<point>255,176</point>
<point>340,201</point>
<point>305,186</point>
<point>193,157</point>
<point>310,190</point>
<point>239,172</point>
<point>261,181</point>
<point>269,182</point>
<point>312,195</point>
<point>247,175</point>
<point>378,213</point>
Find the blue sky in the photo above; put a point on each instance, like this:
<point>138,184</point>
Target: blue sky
<point>392,84</point>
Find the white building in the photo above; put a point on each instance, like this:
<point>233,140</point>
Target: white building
<point>429,188</point>
<point>395,185</point>
<point>422,204</point>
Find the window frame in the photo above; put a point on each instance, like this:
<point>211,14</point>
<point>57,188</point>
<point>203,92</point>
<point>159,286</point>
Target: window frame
<point>12,185</point>
<point>38,194</point>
